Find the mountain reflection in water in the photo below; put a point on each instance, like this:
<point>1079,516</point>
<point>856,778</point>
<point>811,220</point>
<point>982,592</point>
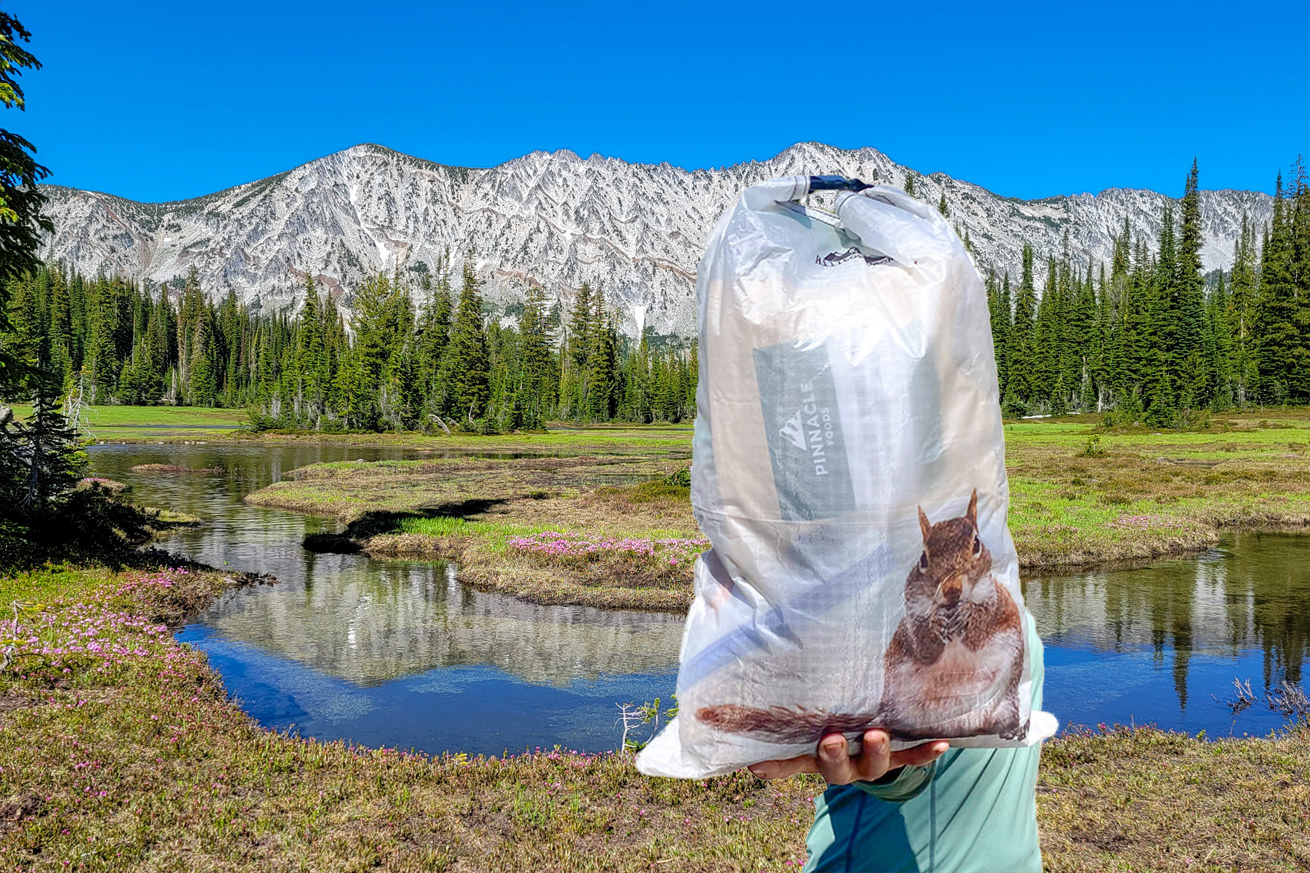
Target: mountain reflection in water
<point>389,653</point>
<point>405,618</point>
<point>399,653</point>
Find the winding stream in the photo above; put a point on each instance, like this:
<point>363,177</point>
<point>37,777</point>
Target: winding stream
<point>399,653</point>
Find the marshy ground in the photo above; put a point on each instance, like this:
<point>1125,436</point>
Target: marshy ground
<point>587,530</point>
<point>1086,494</point>
<point>123,753</point>
<point>1081,494</point>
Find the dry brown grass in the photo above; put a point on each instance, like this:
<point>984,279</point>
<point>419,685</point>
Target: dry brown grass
<point>145,765</point>
<point>488,566</point>
<point>350,490</point>
<point>403,509</point>
<point>1142,799</point>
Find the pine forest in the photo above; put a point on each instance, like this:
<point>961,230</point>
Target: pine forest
<point>390,365</point>
<point>1147,338</point>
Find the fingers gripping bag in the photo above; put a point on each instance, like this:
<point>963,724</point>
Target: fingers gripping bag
<point>849,472</point>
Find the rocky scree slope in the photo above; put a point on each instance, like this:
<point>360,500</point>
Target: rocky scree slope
<point>548,219</point>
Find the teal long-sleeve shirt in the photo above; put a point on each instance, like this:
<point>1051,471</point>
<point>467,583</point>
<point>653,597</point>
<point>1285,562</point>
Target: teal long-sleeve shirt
<point>970,811</point>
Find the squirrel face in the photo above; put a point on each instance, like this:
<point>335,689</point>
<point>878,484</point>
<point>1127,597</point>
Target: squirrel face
<point>954,567</point>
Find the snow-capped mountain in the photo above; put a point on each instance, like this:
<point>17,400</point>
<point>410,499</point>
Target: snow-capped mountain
<point>549,219</point>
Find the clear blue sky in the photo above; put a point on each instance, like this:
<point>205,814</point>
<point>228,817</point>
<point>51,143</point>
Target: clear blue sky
<point>165,100</point>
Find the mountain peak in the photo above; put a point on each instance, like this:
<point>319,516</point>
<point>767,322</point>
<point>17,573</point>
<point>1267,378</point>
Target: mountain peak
<point>549,219</point>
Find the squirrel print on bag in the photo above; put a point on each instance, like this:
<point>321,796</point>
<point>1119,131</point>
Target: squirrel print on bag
<point>954,664</point>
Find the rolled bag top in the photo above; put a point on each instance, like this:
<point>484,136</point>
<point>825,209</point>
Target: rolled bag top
<point>884,219</point>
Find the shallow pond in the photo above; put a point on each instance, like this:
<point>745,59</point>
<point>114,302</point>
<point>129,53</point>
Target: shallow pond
<point>399,653</point>
<point>1163,643</point>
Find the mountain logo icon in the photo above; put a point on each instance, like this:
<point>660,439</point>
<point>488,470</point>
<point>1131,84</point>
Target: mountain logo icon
<point>832,259</point>
<point>793,430</point>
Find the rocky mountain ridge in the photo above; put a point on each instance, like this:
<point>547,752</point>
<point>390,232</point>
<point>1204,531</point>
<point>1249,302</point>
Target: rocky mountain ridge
<point>548,218</point>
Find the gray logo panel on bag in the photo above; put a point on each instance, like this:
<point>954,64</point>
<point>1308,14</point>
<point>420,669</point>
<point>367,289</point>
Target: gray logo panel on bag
<point>806,446</point>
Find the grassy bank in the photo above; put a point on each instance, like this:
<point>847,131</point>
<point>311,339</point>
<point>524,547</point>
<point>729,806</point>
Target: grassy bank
<point>157,423</point>
<point>621,545</point>
<point>1085,494</point>
<point>165,424</point>
<point>1080,494</point>
<point>122,753</point>
<point>670,440</point>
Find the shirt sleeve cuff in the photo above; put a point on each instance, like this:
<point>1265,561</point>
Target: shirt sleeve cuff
<point>904,786</point>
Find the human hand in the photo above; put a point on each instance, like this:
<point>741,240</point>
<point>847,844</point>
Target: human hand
<point>834,762</point>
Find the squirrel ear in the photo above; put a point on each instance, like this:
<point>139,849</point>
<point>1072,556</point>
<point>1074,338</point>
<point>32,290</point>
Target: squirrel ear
<point>924,525</point>
<point>973,508</point>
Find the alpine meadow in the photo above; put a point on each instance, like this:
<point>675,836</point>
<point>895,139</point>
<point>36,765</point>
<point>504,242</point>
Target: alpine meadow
<point>346,514</point>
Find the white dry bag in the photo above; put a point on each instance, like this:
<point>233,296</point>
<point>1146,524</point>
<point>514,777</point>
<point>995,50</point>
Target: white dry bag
<point>849,472</point>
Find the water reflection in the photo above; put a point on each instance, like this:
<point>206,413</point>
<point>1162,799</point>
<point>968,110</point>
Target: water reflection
<point>1239,611</point>
<point>407,618</point>
<point>399,653</point>
<point>389,652</point>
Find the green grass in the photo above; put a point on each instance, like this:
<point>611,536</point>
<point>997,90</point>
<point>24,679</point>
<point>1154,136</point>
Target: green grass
<point>138,761</point>
<point>1147,493</point>
<point>156,423</point>
<point>444,527</point>
<point>661,439</point>
<point>465,510</point>
<point>497,531</point>
<point>40,585</point>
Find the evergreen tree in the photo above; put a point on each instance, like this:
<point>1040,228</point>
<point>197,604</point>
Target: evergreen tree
<point>61,328</point>
<point>1241,316</point>
<point>21,221</point>
<point>636,405</point>
<point>312,366</point>
<point>603,388</point>
<point>1299,263</point>
<point>202,386</point>
<point>191,308</point>
<point>1277,307</point>
<point>435,335</point>
<point>100,363</point>
<point>469,364</point>
<point>1021,364</point>
<point>229,324</point>
<point>383,321</point>
<point>349,398</point>
<point>537,385</point>
<point>160,340</point>
<point>576,364</point>
<point>1103,363</point>
<point>1160,388</point>
<point>998,308</point>
<point>1047,391</point>
<point>397,402</point>
<point>1080,334</point>
<point>1220,344</point>
<point>1190,355</point>
<point>39,468</point>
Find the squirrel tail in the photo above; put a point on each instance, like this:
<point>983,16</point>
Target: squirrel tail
<point>784,724</point>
